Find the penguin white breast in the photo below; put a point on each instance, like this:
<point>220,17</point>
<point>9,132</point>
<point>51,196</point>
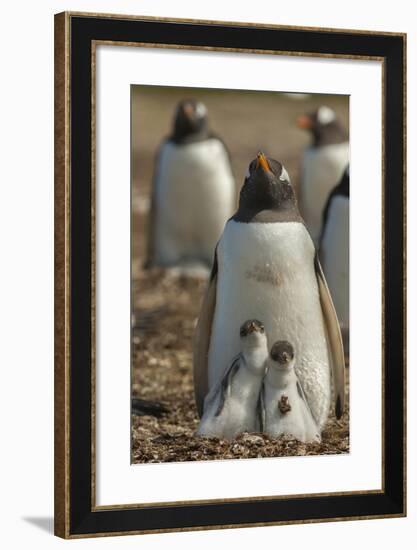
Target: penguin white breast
<point>335,252</point>
<point>239,410</point>
<point>322,168</point>
<point>297,421</point>
<point>266,272</point>
<point>195,196</point>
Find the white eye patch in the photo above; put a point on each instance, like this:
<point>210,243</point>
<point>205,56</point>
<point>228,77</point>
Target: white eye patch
<point>284,175</point>
<point>247,174</point>
<point>325,115</point>
<point>200,110</point>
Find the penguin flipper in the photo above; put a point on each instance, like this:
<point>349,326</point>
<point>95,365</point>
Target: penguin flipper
<point>334,338</point>
<point>226,382</point>
<point>261,409</point>
<point>202,337</point>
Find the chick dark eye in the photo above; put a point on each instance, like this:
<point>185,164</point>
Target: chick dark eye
<point>262,329</point>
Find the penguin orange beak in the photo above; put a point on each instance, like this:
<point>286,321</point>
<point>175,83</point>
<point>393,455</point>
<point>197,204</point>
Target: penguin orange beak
<point>304,122</point>
<point>262,161</point>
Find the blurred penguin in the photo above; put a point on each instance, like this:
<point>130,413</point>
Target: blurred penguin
<point>334,251</point>
<point>193,192</point>
<point>322,165</point>
<point>231,406</point>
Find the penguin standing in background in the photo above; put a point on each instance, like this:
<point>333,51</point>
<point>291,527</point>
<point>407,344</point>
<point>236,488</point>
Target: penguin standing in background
<point>283,405</point>
<point>334,251</point>
<point>193,192</point>
<point>266,267</point>
<point>230,407</point>
<point>322,165</point>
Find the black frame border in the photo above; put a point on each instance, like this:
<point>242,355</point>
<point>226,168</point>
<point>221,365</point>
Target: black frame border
<point>80,520</point>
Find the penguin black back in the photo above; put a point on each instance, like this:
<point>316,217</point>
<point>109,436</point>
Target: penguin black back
<point>342,189</point>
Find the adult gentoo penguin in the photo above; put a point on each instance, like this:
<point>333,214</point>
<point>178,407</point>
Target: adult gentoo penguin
<point>322,165</point>
<point>266,268</point>
<point>283,405</point>
<point>193,192</point>
<point>230,407</point>
<point>334,251</point>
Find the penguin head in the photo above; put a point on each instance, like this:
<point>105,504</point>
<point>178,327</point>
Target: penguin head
<point>267,186</point>
<point>190,119</point>
<point>323,125</point>
<point>282,354</point>
<point>252,333</point>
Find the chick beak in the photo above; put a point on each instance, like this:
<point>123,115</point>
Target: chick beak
<point>304,122</point>
<point>262,161</point>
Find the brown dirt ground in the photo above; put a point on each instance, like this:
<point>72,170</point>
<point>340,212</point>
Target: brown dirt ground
<point>166,306</point>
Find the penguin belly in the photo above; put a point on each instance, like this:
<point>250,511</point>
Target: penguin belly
<point>297,421</point>
<point>194,197</point>
<point>266,272</point>
<point>322,168</point>
<point>335,254</point>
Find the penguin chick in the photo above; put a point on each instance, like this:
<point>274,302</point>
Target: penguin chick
<point>283,406</point>
<point>230,408</point>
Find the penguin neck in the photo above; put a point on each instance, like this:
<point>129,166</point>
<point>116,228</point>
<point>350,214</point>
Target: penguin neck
<point>279,377</point>
<point>332,134</point>
<point>181,137</point>
<point>284,212</point>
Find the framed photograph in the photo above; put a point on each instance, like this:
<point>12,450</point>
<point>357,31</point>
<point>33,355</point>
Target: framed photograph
<point>229,275</point>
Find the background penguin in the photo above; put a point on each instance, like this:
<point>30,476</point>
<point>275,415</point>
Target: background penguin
<point>231,406</point>
<point>322,165</point>
<point>283,406</point>
<point>266,267</point>
<point>193,192</point>
<point>334,251</point>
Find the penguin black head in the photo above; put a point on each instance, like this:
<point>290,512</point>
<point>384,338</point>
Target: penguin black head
<point>190,122</point>
<point>324,127</point>
<point>267,186</point>
<point>251,326</point>
<point>282,353</point>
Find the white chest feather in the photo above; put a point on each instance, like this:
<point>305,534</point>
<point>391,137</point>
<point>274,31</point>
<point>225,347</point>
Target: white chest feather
<point>266,272</point>
<point>285,411</point>
<point>322,168</point>
<point>238,412</point>
<point>194,197</point>
<point>335,253</point>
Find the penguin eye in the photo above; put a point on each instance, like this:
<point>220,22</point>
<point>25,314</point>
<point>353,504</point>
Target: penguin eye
<point>262,328</point>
